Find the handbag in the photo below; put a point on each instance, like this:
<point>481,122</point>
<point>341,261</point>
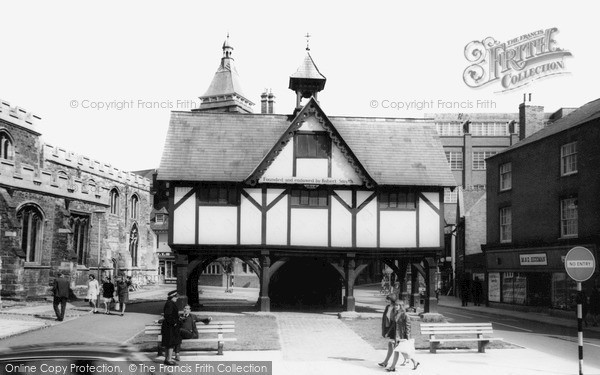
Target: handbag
<point>405,346</point>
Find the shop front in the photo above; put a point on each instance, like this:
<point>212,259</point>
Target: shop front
<point>533,277</point>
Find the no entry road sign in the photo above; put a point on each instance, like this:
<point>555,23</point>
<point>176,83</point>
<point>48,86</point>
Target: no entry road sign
<point>580,264</point>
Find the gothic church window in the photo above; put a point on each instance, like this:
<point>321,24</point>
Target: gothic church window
<point>114,202</point>
<point>32,230</point>
<point>135,201</point>
<point>133,245</point>
<point>6,146</point>
<point>80,229</point>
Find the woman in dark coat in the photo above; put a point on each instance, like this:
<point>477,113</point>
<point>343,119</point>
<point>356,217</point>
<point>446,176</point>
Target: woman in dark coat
<point>386,321</point>
<point>399,332</point>
<point>170,327</point>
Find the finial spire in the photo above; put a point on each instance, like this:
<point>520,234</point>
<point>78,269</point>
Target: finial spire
<point>307,36</point>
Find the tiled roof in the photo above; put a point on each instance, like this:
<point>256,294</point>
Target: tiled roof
<point>308,69</point>
<point>204,146</point>
<point>225,82</point>
<point>583,114</point>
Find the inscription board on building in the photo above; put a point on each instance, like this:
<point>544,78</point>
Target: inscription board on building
<point>533,259</point>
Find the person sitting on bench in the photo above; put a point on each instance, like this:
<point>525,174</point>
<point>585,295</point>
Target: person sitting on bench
<point>187,324</point>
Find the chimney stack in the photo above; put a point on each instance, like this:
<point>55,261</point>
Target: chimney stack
<point>263,102</point>
<point>270,102</point>
<point>531,118</point>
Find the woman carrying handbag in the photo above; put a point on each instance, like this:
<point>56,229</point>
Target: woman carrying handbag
<point>400,332</point>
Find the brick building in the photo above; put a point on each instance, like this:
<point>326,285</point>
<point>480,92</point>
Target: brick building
<point>542,200</point>
<point>65,212</point>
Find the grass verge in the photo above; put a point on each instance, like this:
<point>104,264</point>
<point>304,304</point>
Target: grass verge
<point>253,332</point>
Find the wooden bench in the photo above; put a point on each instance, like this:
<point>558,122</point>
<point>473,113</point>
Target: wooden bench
<point>479,329</point>
<point>218,327</point>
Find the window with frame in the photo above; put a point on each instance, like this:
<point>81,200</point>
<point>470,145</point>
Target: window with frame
<point>312,145</point>
<point>6,146</point>
<point>114,202</point>
<point>479,159</point>
<point>568,159</point>
<point>506,224</point>
<point>32,232</point>
<point>396,200</point>
<point>218,195</point>
<point>506,176</point>
<point>212,269</point>
<point>135,202</point>
<point>80,229</point>
<point>489,129</point>
<point>449,128</point>
<point>455,159</point>
<point>568,217</point>
<point>309,198</point>
<point>450,196</point>
<point>159,218</point>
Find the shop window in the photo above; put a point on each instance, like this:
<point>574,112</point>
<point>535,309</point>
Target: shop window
<point>563,291</point>
<point>568,159</point>
<point>514,288</point>
<point>506,176</point>
<point>396,200</point>
<point>568,217</point>
<point>32,231</point>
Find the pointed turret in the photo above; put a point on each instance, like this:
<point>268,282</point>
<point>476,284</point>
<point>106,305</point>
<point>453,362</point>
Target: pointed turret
<point>225,91</point>
<point>307,81</point>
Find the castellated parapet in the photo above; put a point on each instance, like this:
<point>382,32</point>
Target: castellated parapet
<point>18,116</point>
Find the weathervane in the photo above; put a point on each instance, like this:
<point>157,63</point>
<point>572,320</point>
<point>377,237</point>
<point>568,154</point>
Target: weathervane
<point>307,36</point>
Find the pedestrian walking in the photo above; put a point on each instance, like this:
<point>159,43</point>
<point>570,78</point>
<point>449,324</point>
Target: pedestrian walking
<point>171,337</point>
<point>108,292</point>
<point>399,332</point>
<point>465,290</point>
<point>123,293</point>
<point>92,292</point>
<point>60,291</point>
<point>386,322</point>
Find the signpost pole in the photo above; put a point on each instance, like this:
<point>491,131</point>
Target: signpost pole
<point>580,327</point>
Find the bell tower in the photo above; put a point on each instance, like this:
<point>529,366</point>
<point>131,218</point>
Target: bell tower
<point>307,81</point>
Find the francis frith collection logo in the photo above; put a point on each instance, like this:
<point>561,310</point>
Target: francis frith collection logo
<point>514,63</point>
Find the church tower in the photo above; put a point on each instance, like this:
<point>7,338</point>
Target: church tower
<point>225,91</point>
<point>307,81</point>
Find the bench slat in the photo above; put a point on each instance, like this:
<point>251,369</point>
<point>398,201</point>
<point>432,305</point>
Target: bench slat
<point>468,339</point>
<point>456,332</point>
<point>210,340</point>
<point>455,324</point>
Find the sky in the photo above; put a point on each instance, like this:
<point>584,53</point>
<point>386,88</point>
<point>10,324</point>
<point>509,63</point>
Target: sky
<point>105,76</point>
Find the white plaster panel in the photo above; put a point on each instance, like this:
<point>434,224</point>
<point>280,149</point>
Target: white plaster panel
<point>272,194</point>
<point>217,225</point>
<point>311,124</point>
<point>180,192</point>
<point>283,165</point>
<point>309,227</point>
<point>312,168</point>
<point>184,222</point>
<point>429,226</point>
<point>398,229</point>
<point>366,225</point>
<point>341,169</point>
<point>255,194</point>
<point>277,222</point>
<point>434,198</point>
<point>346,196</point>
<point>341,225</point>
<point>250,223</point>
<point>362,196</point>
